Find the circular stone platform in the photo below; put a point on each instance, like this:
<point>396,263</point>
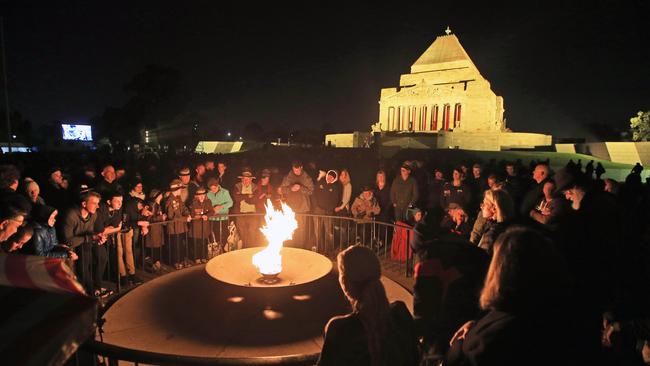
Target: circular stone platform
<point>189,313</point>
<point>299,266</point>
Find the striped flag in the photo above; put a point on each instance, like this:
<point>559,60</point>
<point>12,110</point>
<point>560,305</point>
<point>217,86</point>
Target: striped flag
<point>29,271</point>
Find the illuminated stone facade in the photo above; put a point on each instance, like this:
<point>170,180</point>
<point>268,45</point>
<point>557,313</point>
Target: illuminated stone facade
<point>444,91</point>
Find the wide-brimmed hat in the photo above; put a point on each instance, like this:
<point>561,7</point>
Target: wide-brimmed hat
<point>200,191</point>
<point>407,166</point>
<point>184,171</point>
<point>265,173</point>
<point>175,184</point>
<point>246,173</point>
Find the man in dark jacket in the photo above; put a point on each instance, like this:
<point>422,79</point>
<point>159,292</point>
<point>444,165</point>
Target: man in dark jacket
<point>536,192</point>
<point>403,192</point>
<point>327,195</point>
<point>79,233</point>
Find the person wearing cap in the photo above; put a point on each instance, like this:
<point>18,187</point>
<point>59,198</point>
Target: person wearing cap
<point>297,188</point>
<point>179,215</point>
<point>201,209</point>
<point>376,332</point>
<point>403,192</point>
<point>245,201</point>
<point>264,191</point>
<point>154,240</point>
<point>55,192</point>
<point>365,206</point>
<point>184,177</point>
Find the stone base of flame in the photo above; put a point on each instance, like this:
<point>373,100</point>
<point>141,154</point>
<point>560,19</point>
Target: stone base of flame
<point>299,266</point>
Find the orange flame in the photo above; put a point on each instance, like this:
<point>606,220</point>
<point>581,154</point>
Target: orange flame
<point>280,225</point>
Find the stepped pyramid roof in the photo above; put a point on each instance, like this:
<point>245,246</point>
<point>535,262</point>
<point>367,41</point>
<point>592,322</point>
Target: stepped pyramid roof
<point>445,52</point>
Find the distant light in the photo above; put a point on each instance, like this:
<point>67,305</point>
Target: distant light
<point>228,134</point>
<point>14,136</point>
<point>240,137</point>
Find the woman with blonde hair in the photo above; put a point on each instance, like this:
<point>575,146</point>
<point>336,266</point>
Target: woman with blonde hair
<point>498,210</point>
<point>526,297</point>
<point>376,332</point>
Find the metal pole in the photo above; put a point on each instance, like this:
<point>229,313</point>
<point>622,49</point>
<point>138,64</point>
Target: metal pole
<point>4,79</point>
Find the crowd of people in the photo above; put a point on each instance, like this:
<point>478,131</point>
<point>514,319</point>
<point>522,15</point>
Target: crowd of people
<point>502,250</point>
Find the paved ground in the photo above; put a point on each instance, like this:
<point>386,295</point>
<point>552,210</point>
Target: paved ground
<point>187,312</point>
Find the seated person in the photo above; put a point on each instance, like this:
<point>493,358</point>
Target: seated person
<point>376,332</point>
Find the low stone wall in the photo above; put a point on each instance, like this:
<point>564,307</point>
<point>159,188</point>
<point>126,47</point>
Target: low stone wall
<point>618,152</point>
<point>477,140</point>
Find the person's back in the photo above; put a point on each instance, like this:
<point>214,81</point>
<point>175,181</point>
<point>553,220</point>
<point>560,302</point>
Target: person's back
<point>346,342</point>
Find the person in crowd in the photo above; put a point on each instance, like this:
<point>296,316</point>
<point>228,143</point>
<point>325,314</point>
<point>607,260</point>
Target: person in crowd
<point>600,170</point>
<point>88,176</point>
<point>449,274</point>
<point>154,239</point>
<point>376,332</point>
<point>514,184</point>
<point>201,209</point>
<point>108,182</point>
<point>32,192</point>
<point>456,222</point>
<point>15,242</point>
<point>120,175</point>
<point>498,210</point>
<point>137,190</point>
<point>245,203</point>
<point>80,234</point>
<point>221,203</point>
<point>364,208</point>
<point>210,171</point>
<point>403,192</point>
<point>12,217</point>
<point>297,188</point>
<point>434,189</point>
<point>551,208</point>
<point>382,194</point>
<point>199,175</point>
<point>326,197</point>
<point>524,297</point>
<point>343,209</point>
<point>55,192</point>
<point>456,191</point>
<point>9,177</point>
<point>591,239</point>
<point>226,179</point>
<point>179,215</point>
<point>264,191</point>
<point>611,186</point>
<point>45,240</point>
<point>184,177</point>
<point>541,175</point>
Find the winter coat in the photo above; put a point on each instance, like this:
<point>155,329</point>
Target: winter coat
<point>45,242</point>
<point>221,198</point>
<point>198,227</point>
<point>298,201</point>
<point>326,196</point>
<point>403,192</point>
<point>365,209</point>
<point>247,198</point>
<point>178,213</point>
<point>156,235</point>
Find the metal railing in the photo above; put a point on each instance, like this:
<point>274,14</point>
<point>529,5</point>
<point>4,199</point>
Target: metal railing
<point>182,243</point>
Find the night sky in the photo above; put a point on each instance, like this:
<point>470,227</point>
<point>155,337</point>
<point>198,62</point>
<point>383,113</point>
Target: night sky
<point>558,65</point>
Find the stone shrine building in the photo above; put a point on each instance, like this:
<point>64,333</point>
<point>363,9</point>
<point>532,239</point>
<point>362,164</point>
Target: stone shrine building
<point>445,102</point>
